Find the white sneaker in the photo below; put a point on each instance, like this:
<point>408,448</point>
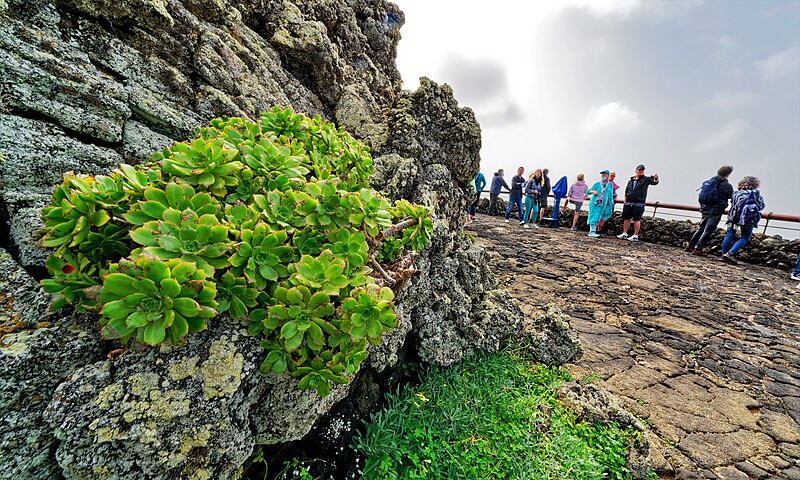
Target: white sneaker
<point>634,238</point>
<point>525,225</point>
<point>623,236</point>
<point>506,220</point>
<point>535,226</point>
<point>522,223</point>
<point>794,276</point>
<point>594,235</point>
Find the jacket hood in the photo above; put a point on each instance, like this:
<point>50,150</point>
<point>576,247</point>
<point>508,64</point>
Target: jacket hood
<point>580,182</point>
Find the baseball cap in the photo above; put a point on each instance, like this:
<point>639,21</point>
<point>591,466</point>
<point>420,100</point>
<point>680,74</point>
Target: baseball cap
<point>640,167</point>
<point>606,172</point>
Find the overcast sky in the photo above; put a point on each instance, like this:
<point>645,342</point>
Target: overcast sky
<point>580,86</point>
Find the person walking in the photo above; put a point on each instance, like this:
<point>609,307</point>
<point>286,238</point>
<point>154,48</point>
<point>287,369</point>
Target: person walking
<point>532,188</point>
<point>635,198</point>
<point>746,206</point>
<point>576,195</point>
<point>515,197</point>
<point>498,182</point>
<point>601,203</point>
<point>713,198</point>
<point>480,183</point>
<point>544,193</point>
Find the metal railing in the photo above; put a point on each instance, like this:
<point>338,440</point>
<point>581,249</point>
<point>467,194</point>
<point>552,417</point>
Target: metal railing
<point>696,209</point>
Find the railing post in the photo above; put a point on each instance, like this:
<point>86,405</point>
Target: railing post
<point>655,207</point>
<point>766,224</point>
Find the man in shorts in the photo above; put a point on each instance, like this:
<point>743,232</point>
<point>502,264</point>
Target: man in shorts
<point>635,198</point>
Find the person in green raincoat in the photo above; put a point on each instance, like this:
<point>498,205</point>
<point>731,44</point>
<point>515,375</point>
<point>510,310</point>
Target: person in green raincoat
<point>601,203</point>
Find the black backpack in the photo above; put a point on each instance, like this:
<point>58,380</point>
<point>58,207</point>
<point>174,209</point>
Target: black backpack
<point>709,193</point>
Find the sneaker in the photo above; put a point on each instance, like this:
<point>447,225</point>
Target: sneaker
<point>689,249</point>
<point>522,223</point>
<point>795,276</point>
<point>506,220</point>
<point>729,258</point>
<point>623,236</point>
<point>526,225</point>
<point>699,252</point>
<point>594,235</point>
<point>633,238</point>
<point>573,229</point>
<point>535,226</point>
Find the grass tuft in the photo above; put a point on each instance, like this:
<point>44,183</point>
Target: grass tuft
<point>491,416</point>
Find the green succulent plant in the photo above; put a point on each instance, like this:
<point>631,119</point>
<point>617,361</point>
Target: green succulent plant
<point>71,276</point>
<point>207,163</point>
<point>200,239</point>
<point>81,205</point>
<point>152,300</point>
<point>262,256</point>
<point>235,295</point>
<point>368,313</point>
<point>272,222</point>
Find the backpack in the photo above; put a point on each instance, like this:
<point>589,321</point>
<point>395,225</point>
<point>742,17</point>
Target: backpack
<point>748,213</point>
<point>709,193</point>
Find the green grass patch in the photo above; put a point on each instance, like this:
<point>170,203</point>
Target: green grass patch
<point>490,416</point>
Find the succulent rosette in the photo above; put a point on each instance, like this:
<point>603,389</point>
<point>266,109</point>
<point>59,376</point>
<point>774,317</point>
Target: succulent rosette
<point>151,300</point>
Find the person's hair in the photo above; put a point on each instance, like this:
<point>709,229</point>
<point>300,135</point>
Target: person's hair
<point>580,176</point>
<point>538,170</point>
<point>521,168</point>
<point>530,177</point>
<point>725,171</point>
<point>613,173</point>
<point>749,183</point>
<point>545,171</point>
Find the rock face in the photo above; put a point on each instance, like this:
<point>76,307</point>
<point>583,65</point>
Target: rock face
<point>87,84</point>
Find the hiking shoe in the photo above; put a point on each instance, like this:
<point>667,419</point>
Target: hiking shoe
<point>729,258</point>
<point>623,236</point>
<point>795,276</point>
<point>689,249</point>
<point>699,252</point>
<point>506,220</point>
<point>633,238</point>
<point>594,235</point>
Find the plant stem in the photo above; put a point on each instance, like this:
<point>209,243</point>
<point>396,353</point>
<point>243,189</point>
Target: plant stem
<point>397,228</point>
<point>382,272</point>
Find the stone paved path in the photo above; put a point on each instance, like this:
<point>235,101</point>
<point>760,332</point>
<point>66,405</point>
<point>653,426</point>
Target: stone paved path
<point>707,353</point>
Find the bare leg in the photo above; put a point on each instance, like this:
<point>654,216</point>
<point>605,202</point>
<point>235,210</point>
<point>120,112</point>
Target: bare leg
<point>575,219</point>
<point>626,225</point>
<point>636,226</point>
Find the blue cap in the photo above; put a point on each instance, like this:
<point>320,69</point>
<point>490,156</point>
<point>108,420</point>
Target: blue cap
<point>606,172</point>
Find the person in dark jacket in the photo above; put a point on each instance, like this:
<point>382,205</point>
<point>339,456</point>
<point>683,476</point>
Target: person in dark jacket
<point>515,198</point>
<point>635,198</point>
<point>544,193</point>
<point>711,214</point>
<point>746,207</point>
<point>480,184</point>
<point>498,182</point>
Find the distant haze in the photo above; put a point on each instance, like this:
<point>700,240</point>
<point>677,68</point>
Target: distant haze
<point>581,86</point>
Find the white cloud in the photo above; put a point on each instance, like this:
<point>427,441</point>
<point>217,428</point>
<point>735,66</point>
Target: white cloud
<point>723,137</point>
<point>726,42</point>
<point>624,8</point>
<point>611,117</point>
<point>730,100</point>
<point>780,64</point>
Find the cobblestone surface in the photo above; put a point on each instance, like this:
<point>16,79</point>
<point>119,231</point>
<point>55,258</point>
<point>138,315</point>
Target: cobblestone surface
<point>707,353</point>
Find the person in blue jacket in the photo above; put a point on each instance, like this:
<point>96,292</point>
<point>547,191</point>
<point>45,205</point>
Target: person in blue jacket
<point>480,184</point>
<point>601,202</point>
<point>744,214</point>
<point>494,191</point>
<point>515,197</point>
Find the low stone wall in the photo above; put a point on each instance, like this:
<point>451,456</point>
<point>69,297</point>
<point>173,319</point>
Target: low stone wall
<point>770,250</point>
